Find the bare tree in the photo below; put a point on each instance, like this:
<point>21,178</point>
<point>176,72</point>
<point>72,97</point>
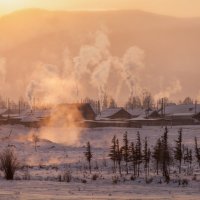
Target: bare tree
<point>133,102</point>
<point>8,163</point>
<point>187,100</point>
<point>35,139</point>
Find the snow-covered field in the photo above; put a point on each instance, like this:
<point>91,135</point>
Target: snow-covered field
<point>60,151</point>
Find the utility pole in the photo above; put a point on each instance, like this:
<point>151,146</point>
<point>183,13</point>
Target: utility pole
<point>19,107</point>
<point>162,107</point>
<point>195,108</point>
<point>8,106</point>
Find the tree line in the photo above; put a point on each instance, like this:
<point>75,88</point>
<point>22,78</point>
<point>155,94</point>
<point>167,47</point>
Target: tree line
<point>139,157</point>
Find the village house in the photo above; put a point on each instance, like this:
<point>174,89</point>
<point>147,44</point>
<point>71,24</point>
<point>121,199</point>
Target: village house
<point>114,114</point>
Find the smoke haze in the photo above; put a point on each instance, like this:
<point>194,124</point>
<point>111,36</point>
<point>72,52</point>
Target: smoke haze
<point>66,56</point>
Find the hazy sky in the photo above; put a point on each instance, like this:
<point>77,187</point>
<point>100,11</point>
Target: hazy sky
<point>181,8</point>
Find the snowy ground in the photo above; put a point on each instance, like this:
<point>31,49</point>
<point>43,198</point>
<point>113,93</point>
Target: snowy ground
<point>62,150</point>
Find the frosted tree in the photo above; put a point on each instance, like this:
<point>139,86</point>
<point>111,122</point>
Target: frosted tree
<point>178,154</point>
<point>125,150</point>
<point>132,157</point>
<point>197,151</point>
<point>113,153</point>
<point>35,139</point>
<point>157,153</point>
<point>88,155</point>
<point>166,158</point>
<point>146,157</point>
<point>138,152</point>
<point>119,156</point>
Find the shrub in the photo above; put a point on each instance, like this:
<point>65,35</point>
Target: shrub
<point>59,178</point>
<point>150,180</point>
<point>95,177</point>
<point>26,174</point>
<point>132,178</point>
<point>83,181</point>
<point>8,163</point>
<point>194,178</point>
<point>115,179</point>
<point>67,177</point>
<point>185,182</point>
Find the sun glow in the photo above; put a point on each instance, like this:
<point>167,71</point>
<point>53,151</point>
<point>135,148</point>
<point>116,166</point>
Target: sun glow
<point>182,8</point>
<point>11,2</point>
<point>12,5</point>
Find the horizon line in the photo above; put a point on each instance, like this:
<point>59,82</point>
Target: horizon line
<point>95,10</point>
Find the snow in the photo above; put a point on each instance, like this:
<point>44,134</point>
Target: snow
<point>56,155</point>
<point>42,190</point>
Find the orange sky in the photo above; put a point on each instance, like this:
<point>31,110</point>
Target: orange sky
<point>180,8</point>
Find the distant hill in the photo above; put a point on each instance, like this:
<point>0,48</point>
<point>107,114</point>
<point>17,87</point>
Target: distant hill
<point>171,45</point>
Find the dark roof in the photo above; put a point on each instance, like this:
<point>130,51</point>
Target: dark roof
<point>85,109</point>
<point>154,114</point>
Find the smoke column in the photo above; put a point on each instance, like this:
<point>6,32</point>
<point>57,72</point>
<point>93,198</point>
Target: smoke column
<point>172,89</point>
<point>94,65</point>
<point>2,69</point>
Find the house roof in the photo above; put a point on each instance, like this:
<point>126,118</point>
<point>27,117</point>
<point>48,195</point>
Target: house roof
<point>77,109</point>
<point>29,118</point>
<point>136,112</point>
<point>109,112</point>
<point>182,109</point>
<point>2,110</point>
<point>80,106</point>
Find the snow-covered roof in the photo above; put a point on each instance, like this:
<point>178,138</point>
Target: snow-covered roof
<point>33,116</point>
<point>109,112</point>
<point>136,111</point>
<point>2,110</point>
<point>39,113</point>
<point>182,109</point>
<point>29,118</point>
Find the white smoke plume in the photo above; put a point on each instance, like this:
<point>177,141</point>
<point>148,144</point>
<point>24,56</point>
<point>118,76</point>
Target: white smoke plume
<point>50,85</point>
<point>172,89</point>
<point>53,84</point>
<point>96,61</point>
<point>132,62</point>
<point>94,66</point>
<point>2,75</point>
<point>2,69</point>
